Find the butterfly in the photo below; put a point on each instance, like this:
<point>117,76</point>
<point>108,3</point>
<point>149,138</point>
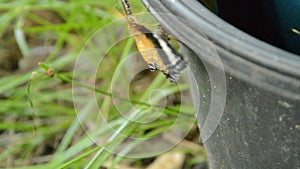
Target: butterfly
<point>155,50</point>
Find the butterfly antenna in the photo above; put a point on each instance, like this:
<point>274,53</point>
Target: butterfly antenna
<point>126,7</point>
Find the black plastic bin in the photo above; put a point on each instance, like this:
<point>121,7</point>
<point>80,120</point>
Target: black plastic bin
<point>260,124</point>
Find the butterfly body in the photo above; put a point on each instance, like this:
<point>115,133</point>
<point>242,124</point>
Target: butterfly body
<point>155,50</point>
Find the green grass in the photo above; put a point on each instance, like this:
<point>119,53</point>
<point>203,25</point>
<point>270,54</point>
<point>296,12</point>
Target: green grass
<point>39,126</point>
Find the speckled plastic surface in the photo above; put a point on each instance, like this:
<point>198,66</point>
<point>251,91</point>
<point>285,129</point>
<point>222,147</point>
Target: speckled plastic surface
<point>260,123</point>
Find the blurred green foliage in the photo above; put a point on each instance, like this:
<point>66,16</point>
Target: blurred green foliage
<point>39,125</point>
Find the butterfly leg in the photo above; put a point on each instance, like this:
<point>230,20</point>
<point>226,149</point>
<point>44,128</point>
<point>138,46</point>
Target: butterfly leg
<point>162,33</point>
<point>152,66</point>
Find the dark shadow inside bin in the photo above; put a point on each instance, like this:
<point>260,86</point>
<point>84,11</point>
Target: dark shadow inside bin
<point>259,127</point>
<point>273,21</point>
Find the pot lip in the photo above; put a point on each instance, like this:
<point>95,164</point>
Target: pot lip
<point>221,32</point>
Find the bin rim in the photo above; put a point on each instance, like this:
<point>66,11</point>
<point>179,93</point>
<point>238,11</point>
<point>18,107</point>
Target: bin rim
<point>243,56</point>
<point>221,32</point>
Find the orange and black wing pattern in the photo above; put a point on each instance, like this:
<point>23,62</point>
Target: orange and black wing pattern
<point>157,52</point>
